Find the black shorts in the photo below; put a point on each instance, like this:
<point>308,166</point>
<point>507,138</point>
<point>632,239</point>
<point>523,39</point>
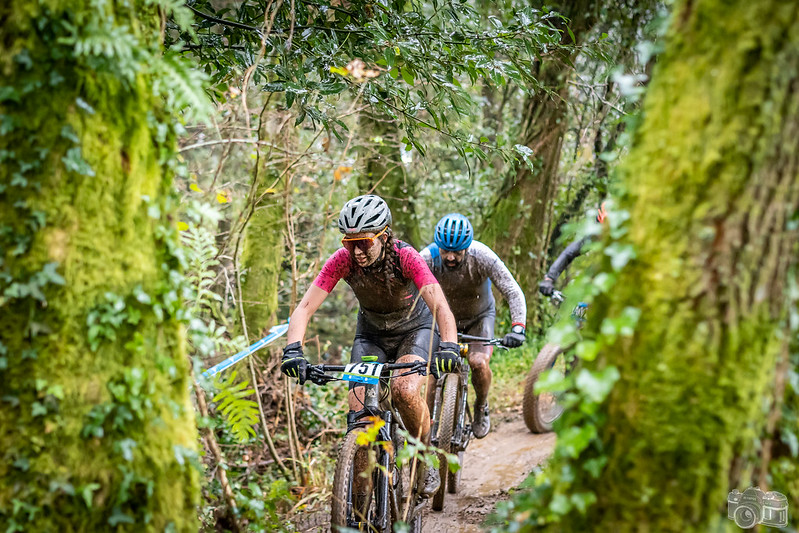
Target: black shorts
<point>482,326</point>
<point>389,347</point>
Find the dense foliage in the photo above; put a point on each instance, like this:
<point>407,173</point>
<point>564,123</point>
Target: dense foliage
<point>280,111</point>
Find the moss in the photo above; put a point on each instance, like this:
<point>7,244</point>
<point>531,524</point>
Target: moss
<point>711,186</point>
<point>106,225</point>
<point>262,261</point>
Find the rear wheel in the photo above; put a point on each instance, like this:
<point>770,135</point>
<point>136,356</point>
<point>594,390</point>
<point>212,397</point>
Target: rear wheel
<point>353,503</point>
<point>541,410</point>
<point>446,429</point>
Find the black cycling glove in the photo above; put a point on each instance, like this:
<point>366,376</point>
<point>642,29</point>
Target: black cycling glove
<point>293,363</point>
<point>546,287</point>
<point>447,358</point>
<point>515,338</point>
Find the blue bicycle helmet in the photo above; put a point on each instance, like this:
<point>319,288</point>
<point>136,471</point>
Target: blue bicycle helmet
<point>454,232</point>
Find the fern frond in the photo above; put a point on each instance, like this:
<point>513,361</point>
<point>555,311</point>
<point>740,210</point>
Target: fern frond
<point>239,413</point>
<point>181,86</point>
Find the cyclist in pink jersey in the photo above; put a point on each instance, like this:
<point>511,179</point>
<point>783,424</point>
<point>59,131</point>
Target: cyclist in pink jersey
<point>387,276</point>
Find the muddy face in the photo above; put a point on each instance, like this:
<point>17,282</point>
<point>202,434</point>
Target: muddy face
<point>452,259</point>
<point>373,251</point>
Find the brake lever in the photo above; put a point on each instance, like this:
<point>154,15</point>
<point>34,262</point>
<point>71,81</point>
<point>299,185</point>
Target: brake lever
<point>317,377</point>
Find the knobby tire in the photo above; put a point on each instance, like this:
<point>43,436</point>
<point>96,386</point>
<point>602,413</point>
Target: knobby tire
<point>344,478</point>
<point>446,429</point>
<point>537,417</point>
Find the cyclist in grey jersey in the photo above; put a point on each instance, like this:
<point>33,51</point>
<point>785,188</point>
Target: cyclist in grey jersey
<point>572,252</point>
<point>466,269</point>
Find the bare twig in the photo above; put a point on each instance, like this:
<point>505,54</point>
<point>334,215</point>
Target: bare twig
<point>213,445</point>
<point>233,141</point>
<point>267,434</point>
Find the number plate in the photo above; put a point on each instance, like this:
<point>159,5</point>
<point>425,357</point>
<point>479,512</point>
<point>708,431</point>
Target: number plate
<point>363,372</point>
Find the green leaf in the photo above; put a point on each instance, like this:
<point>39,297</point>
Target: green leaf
<point>571,34</point>
<point>37,409</point>
<point>620,254</point>
<point>407,75</point>
<point>574,440</point>
<point>560,504</point>
<point>87,492</point>
<point>389,56</point>
<point>583,500</point>
<point>73,161</point>
<point>594,466</point>
<point>597,385</point>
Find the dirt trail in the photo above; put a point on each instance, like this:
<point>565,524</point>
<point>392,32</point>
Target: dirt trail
<point>500,461</point>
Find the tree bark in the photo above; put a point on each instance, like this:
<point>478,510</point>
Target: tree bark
<point>713,189</point>
<point>263,244</point>
<point>96,429</point>
<point>517,226</point>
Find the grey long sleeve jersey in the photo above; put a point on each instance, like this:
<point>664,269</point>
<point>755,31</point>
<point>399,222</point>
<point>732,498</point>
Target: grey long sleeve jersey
<point>468,287</point>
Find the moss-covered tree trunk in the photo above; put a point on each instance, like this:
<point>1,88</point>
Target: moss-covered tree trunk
<point>713,181</point>
<point>263,245</point>
<point>517,225</point>
<point>384,175</point>
<point>96,428</point>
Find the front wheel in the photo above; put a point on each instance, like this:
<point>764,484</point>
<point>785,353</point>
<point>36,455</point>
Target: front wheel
<point>446,429</point>
<point>541,410</point>
<point>354,505</point>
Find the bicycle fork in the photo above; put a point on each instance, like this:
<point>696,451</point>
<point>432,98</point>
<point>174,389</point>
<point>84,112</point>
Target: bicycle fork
<point>463,432</point>
<point>356,419</point>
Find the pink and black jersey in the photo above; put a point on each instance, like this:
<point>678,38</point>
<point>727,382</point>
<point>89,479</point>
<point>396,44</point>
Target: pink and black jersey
<point>389,302</point>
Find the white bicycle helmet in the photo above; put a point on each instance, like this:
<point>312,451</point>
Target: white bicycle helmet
<point>364,213</point>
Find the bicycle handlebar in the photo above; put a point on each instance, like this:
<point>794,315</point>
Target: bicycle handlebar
<point>318,373</point>
<point>557,296</point>
<point>485,340</point>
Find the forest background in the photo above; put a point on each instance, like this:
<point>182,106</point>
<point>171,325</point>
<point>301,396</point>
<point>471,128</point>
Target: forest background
<point>170,183</point>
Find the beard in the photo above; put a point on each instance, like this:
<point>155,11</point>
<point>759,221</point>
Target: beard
<point>453,265</point>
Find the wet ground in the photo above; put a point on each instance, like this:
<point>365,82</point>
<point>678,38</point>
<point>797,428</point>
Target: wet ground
<point>495,464</point>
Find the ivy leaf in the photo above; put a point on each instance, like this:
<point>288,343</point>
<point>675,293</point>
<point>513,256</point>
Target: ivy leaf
<point>9,94</point>
<point>574,440</point>
<point>583,500</point>
<point>597,385</point>
<point>49,274</point>
<point>560,504</point>
<point>87,492</point>
<point>120,518</point>
<point>620,254</point>
<point>789,438</point>
<point>37,409</point>
<point>74,162</point>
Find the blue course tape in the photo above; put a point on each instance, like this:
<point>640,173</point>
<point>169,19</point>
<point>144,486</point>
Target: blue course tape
<point>274,332</point>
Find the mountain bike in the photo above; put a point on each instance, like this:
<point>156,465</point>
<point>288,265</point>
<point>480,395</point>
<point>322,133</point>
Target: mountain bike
<point>371,491</point>
<point>542,409</point>
<point>452,419</point>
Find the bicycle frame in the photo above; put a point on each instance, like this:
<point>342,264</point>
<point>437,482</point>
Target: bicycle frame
<point>393,422</point>
<point>462,434</point>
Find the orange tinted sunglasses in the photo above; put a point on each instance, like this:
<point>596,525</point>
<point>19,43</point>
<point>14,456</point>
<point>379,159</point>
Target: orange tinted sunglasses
<point>363,243</point>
